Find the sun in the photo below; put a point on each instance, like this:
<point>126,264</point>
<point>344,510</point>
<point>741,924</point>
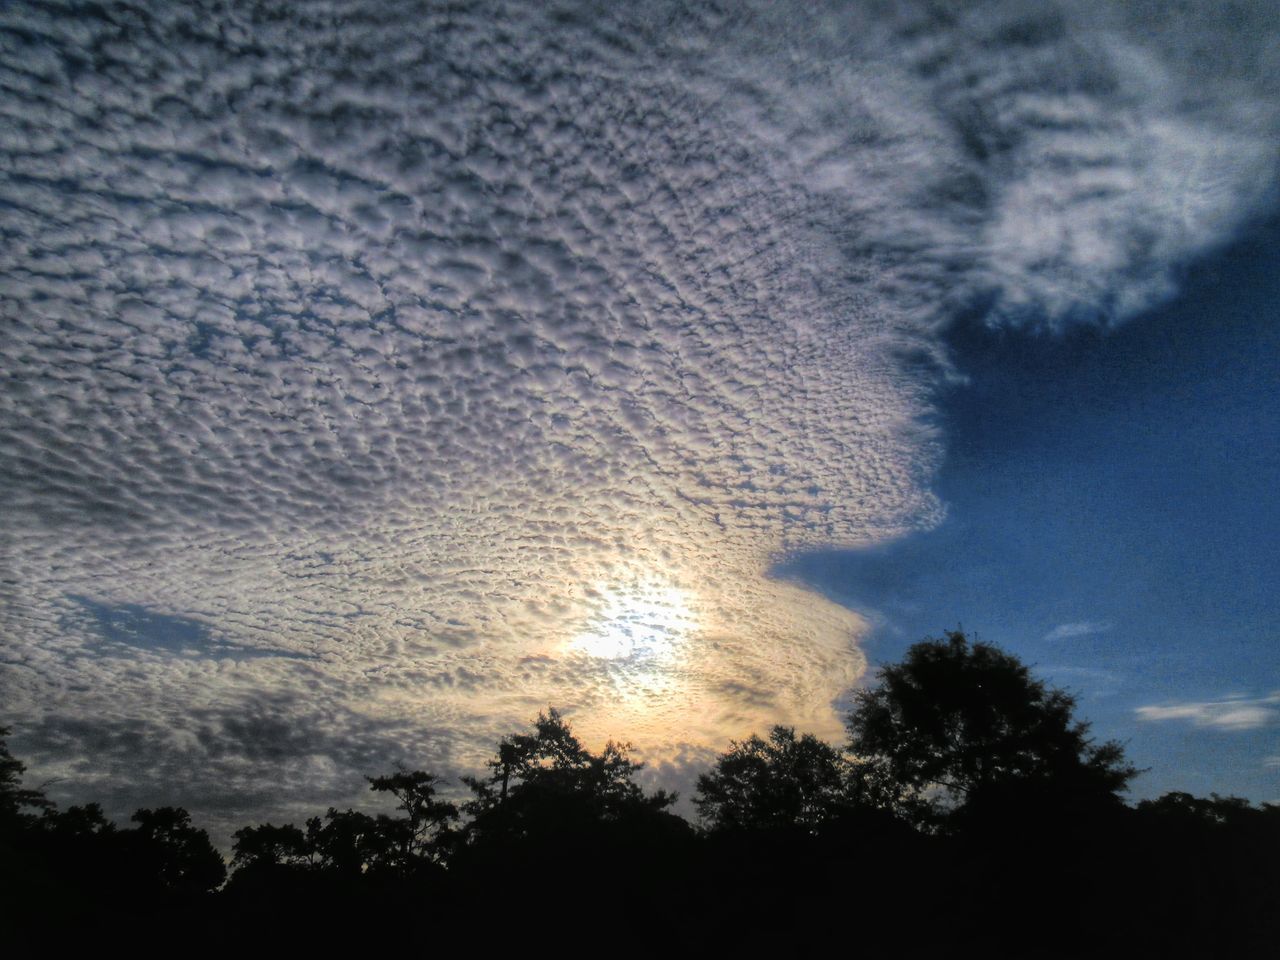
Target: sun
<point>644,622</point>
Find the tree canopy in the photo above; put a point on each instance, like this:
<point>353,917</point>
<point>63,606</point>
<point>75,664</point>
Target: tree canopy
<point>14,798</point>
<point>548,776</point>
<point>171,852</point>
<point>423,834</point>
<point>784,781</point>
<point>957,723</point>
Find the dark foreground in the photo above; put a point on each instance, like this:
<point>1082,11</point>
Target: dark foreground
<point>1174,877</point>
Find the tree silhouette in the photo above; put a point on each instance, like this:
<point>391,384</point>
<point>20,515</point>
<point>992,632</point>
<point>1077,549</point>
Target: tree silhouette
<point>551,810</point>
<point>423,835</point>
<point>959,724</point>
<point>14,798</point>
<point>775,783</point>
<point>535,773</point>
<point>348,843</point>
<point>549,802</point>
<point>799,829</point>
<point>268,847</point>
<point>167,852</point>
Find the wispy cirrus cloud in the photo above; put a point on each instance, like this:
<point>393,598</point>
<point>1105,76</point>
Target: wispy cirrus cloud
<point>1083,628</point>
<point>1230,713</point>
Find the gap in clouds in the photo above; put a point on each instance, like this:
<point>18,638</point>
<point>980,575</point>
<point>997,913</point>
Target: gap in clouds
<point>130,625</point>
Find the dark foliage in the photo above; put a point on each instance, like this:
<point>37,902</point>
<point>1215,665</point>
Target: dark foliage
<point>534,776</point>
<point>782,782</point>
<point>423,837</point>
<point>170,856</point>
<point>550,807</point>
<point>962,727</point>
<point>77,865</point>
<point>15,800</point>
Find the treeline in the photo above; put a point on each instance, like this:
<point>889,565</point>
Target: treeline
<point>967,808</point>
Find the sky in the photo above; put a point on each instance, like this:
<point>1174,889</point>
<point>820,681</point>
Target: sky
<point>377,374</point>
<point>1112,521</point>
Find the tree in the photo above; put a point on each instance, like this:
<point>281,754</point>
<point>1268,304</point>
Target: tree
<point>423,836</point>
<point>271,848</point>
<point>347,844</point>
<point>548,781</point>
<point>13,797</point>
<point>776,783</point>
<point>961,725</point>
<point>551,812</point>
<point>167,851</point>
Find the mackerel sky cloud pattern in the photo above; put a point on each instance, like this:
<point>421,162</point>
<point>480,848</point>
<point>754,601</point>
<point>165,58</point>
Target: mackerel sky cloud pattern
<point>379,373</point>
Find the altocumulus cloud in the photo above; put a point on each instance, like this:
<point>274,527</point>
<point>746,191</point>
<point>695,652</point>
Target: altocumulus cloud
<point>427,364</point>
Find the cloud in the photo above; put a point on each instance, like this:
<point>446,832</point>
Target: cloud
<point>1085,628</point>
<point>267,755</point>
<point>356,377</point>
<point>1231,713</point>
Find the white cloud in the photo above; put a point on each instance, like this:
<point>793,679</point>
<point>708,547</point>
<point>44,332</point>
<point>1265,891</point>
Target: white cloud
<point>1232,713</point>
<point>1085,628</point>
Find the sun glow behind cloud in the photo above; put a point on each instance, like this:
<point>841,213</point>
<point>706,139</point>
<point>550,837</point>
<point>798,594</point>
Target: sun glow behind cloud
<point>649,623</point>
